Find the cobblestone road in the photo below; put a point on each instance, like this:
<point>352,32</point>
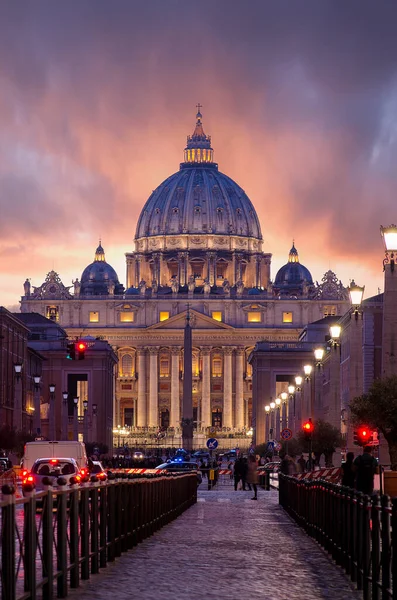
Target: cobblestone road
<point>225,547</point>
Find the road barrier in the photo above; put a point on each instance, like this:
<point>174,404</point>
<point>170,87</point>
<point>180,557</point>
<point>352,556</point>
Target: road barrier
<point>360,532</point>
<point>81,527</point>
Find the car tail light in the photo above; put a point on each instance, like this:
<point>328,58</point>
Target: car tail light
<point>30,479</point>
<point>101,475</point>
<point>83,472</point>
<point>78,478</point>
<point>25,473</point>
<point>54,461</point>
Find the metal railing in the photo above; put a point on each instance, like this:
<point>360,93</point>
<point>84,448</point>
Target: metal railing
<point>359,531</point>
<point>55,538</point>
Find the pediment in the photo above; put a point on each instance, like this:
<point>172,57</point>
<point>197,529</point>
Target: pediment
<point>198,321</point>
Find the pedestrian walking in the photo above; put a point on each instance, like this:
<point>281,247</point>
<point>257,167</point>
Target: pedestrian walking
<point>348,472</point>
<point>365,466</point>
<point>252,475</point>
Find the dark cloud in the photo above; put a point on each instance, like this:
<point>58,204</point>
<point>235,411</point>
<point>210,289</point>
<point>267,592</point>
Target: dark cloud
<point>98,96</point>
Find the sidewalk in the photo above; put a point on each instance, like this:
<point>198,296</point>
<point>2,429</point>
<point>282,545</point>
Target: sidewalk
<point>226,547</point>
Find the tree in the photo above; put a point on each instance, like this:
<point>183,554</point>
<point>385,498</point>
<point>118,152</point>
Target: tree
<point>378,410</point>
<point>325,440</point>
<point>293,448</point>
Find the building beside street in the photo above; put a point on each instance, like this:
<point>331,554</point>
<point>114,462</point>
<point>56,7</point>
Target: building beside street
<point>198,242</point>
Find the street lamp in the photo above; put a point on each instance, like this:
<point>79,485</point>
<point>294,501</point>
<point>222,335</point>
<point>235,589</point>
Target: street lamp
<point>335,331</point>
<point>389,235</point>
<point>356,294</point>
<point>298,382</point>
<point>94,422</point>
<point>37,416</point>
<point>75,419</point>
<point>17,417</point>
<point>318,355</point>
<point>64,433</point>
<point>307,369</point>
<point>51,388</point>
<point>85,421</point>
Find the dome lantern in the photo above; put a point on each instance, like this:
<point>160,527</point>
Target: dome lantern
<point>198,148</point>
<point>100,253</point>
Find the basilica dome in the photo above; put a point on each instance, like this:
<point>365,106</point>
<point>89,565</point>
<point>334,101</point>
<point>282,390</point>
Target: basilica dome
<point>99,278</point>
<point>198,199</point>
<point>293,277</point>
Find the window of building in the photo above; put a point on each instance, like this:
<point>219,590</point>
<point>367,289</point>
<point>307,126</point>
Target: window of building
<point>221,268</point>
<point>216,315</point>
<point>254,317</point>
<point>164,366</point>
<point>164,315</point>
<point>52,312</point>
<point>197,269</point>
<point>127,317</point>
<point>329,311</point>
<point>94,316</point>
<point>172,268</point>
<point>287,317</point>
<point>126,366</point>
<point>217,366</point>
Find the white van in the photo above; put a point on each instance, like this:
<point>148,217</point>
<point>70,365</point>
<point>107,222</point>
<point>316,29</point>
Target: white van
<point>61,449</point>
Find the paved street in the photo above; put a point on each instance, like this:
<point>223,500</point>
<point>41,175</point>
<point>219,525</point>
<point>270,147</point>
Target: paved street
<point>225,547</point>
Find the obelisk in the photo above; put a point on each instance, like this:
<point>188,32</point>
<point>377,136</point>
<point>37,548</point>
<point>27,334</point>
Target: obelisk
<point>187,401</point>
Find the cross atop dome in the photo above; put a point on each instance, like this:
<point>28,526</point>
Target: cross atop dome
<point>198,148</point>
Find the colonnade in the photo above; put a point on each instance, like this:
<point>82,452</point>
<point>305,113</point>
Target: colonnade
<point>147,404</point>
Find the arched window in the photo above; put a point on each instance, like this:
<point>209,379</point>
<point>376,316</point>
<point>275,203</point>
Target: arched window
<point>126,366</point>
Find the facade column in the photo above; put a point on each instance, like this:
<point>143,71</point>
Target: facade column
<point>239,416</point>
<point>227,420</point>
<point>206,420</point>
<point>389,328</point>
<point>140,418</point>
<point>175,416</point>
<point>153,387</point>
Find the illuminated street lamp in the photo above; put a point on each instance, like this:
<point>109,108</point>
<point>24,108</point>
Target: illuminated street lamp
<point>51,388</point>
<point>318,355</point>
<point>36,401</point>
<point>307,369</point>
<point>356,293</point>
<point>335,331</point>
<point>389,235</point>
<point>65,416</point>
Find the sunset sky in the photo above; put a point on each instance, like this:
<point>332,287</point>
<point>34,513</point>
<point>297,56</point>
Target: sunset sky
<point>97,98</point>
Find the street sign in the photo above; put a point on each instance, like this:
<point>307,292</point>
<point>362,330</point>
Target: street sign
<point>286,434</point>
<point>212,444</point>
<point>270,446</point>
<point>277,446</point>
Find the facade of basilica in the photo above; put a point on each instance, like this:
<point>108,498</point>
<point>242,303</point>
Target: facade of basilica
<point>198,247</point>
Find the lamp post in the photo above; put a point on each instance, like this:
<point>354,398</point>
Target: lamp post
<point>51,388</point>
<point>389,329</point>
<point>17,416</point>
<point>277,417</point>
<point>36,400</point>
<point>65,420</point>
<point>291,398</point>
<point>307,392</point>
<point>319,355</point>
<point>272,420</point>
<point>335,331</point>
<point>284,410</point>
<point>94,422</point>
<point>75,419</point>
<point>267,422</point>
<point>298,399</point>
<point>85,421</point>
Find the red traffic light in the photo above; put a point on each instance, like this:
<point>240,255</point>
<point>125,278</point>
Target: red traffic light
<point>81,346</point>
<point>364,433</point>
<point>308,427</point>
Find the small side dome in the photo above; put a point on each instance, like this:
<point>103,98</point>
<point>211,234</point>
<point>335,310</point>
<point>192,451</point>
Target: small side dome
<point>293,279</point>
<point>132,291</point>
<point>99,278</point>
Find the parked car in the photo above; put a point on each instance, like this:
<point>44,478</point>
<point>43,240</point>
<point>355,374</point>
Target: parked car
<point>178,466</point>
<point>52,469</point>
<point>201,454</point>
<point>98,470</point>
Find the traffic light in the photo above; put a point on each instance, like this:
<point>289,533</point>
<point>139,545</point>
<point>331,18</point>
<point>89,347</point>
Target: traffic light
<point>308,427</point>
<point>363,436</point>
<point>71,355</point>
<point>81,347</point>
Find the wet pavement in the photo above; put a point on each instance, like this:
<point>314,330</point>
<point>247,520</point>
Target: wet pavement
<point>227,546</point>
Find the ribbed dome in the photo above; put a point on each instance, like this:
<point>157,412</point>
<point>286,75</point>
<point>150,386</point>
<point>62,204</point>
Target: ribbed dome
<point>198,199</point>
<point>99,278</point>
<point>293,276</point>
